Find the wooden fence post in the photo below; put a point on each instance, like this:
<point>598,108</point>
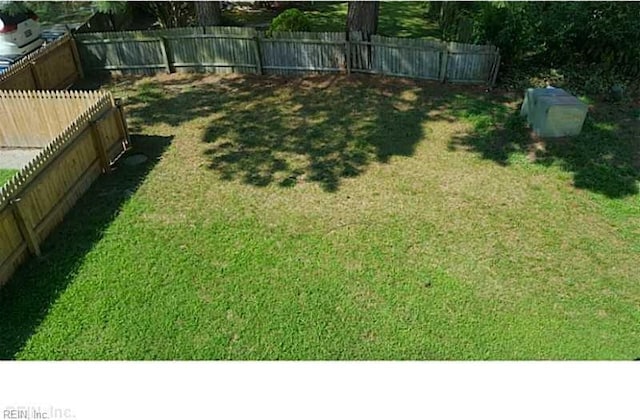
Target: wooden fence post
<point>34,74</point>
<point>258,55</point>
<point>28,233</point>
<point>165,56</point>
<point>122,122</point>
<point>444,61</point>
<point>76,57</point>
<point>347,54</point>
<point>99,146</point>
<point>496,68</point>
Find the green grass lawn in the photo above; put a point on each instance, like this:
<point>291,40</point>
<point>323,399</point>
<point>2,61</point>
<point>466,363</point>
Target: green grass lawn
<point>5,175</point>
<point>341,218</point>
<point>405,19</point>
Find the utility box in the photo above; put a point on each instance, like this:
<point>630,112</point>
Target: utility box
<point>553,112</point>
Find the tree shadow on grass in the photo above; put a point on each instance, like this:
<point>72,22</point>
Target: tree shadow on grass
<point>284,131</point>
<point>604,158</point>
<point>27,297</point>
<point>313,132</point>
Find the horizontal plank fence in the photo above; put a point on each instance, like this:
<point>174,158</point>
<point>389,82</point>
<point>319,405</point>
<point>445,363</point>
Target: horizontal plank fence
<point>37,198</point>
<point>52,67</point>
<point>246,50</point>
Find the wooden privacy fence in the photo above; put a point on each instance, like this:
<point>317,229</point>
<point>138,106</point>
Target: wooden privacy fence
<point>54,66</point>
<point>245,50</point>
<point>32,118</point>
<point>37,198</point>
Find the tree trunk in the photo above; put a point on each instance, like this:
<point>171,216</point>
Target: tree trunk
<point>209,13</point>
<point>363,17</point>
<point>112,21</point>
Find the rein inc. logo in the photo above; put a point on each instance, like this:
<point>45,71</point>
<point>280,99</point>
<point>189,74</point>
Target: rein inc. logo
<point>36,413</point>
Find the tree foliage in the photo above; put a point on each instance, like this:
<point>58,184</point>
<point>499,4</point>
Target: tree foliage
<point>454,18</point>
<point>560,33</point>
<point>12,7</point>
<point>290,20</point>
<point>110,7</point>
<point>171,14</point>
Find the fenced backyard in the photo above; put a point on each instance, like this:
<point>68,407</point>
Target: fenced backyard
<point>320,217</point>
<point>335,217</point>
<point>246,50</point>
<point>77,135</point>
<point>53,67</point>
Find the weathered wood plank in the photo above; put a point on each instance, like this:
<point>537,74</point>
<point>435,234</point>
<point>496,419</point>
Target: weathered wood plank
<point>224,49</point>
<point>55,110</point>
<point>25,226</point>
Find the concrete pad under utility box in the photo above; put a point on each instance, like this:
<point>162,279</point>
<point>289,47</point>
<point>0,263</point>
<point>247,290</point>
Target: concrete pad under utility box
<point>553,112</point>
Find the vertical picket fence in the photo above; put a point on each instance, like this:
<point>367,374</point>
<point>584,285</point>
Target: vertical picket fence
<point>303,52</point>
<point>37,198</point>
<point>468,63</point>
<point>217,50</point>
<point>30,119</point>
<point>212,49</point>
<point>242,50</point>
<point>416,58</point>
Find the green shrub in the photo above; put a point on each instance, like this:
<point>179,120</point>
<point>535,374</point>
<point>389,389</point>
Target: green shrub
<point>563,33</point>
<point>291,20</point>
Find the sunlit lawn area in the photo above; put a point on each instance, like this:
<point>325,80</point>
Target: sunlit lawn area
<point>341,218</point>
<point>5,175</point>
<point>397,18</point>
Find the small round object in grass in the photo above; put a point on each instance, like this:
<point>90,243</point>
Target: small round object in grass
<point>617,92</point>
<point>135,159</point>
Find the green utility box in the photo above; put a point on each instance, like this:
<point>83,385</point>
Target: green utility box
<point>553,112</point>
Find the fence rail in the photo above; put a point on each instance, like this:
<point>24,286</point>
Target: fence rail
<point>36,199</point>
<point>55,66</point>
<point>224,50</point>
